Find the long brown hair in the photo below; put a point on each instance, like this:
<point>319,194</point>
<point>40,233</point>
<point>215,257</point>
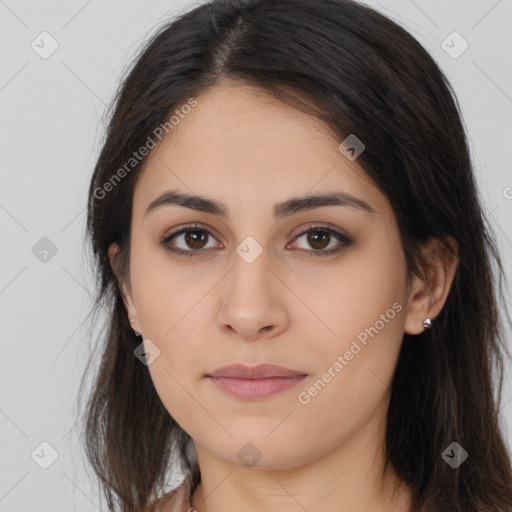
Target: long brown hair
<point>364,74</point>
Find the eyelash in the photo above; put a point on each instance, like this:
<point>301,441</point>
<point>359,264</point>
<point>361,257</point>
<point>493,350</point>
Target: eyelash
<point>345,241</point>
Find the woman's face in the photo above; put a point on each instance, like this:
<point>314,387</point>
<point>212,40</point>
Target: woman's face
<point>256,287</point>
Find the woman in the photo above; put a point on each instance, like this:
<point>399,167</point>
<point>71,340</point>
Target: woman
<point>303,309</point>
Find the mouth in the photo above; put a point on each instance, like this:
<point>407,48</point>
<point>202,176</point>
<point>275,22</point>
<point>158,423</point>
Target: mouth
<point>254,383</point>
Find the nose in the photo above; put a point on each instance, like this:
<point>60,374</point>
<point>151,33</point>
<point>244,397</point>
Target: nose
<point>253,304</point>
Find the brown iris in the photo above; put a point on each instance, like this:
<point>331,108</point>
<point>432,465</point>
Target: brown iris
<point>318,237</point>
<point>195,238</point>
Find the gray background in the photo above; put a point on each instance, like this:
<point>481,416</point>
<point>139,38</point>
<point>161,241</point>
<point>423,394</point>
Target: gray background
<point>51,112</point>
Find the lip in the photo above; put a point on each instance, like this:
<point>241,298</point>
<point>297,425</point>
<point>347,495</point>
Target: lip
<point>260,371</point>
<point>255,382</point>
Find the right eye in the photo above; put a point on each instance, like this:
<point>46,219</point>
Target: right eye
<point>194,240</point>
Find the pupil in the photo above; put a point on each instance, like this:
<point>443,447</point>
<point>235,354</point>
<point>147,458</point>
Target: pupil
<point>195,237</point>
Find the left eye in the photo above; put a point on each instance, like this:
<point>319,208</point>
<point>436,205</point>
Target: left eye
<point>320,238</point>
<point>196,238</point>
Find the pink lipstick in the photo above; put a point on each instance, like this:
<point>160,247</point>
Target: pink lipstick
<point>254,382</point>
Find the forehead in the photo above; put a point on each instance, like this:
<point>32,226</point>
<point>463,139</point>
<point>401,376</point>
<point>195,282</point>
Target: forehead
<point>243,146</point>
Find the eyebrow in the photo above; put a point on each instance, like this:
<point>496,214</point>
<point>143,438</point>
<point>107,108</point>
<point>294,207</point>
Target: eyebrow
<point>284,209</point>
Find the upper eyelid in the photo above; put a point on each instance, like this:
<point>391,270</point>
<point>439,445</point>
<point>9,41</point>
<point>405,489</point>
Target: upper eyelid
<point>190,227</point>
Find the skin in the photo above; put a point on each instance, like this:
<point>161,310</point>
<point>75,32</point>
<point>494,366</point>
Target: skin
<point>288,307</point>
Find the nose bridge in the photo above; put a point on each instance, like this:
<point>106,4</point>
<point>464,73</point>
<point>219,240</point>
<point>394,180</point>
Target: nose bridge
<point>250,301</point>
<point>249,279</point>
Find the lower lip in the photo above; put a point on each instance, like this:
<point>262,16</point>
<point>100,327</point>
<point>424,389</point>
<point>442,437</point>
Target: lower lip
<point>254,389</point>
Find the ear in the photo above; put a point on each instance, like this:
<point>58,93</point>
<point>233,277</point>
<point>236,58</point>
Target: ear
<point>126,293</point>
<point>427,298</point>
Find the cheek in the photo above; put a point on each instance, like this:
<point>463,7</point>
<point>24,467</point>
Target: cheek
<point>163,296</point>
<point>349,296</point>
<point>354,374</point>
<point>342,408</point>
<point>362,310</point>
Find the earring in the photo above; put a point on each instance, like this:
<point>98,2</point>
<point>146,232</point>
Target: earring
<point>136,333</point>
<point>427,323</point>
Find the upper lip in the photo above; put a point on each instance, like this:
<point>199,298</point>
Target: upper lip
<point>260,371</point>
